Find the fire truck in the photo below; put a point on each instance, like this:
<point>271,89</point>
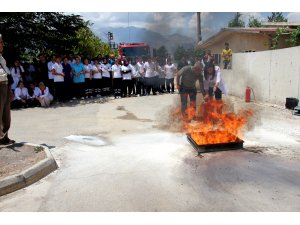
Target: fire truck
<point>134,50</point>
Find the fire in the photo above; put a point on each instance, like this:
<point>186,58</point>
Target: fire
<point>213,123</point>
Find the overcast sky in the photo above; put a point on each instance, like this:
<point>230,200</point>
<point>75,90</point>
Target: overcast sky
<point>172,22</point>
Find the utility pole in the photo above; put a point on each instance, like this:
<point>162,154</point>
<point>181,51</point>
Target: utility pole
<point>199,37</point>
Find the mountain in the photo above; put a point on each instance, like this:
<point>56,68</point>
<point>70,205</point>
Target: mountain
<point>143,35</point>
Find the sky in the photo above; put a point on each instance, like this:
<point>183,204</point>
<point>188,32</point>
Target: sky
<point>167,23</point>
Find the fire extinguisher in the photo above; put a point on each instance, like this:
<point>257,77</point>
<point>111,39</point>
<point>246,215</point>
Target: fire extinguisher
<point>248,94</point>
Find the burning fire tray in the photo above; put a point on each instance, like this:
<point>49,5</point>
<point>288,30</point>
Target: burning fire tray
<point>238,144</point>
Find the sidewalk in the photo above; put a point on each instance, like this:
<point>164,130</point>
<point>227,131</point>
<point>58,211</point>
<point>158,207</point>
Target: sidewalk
<point>22,164</point>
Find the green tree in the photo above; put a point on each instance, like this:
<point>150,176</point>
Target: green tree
<point>254,22</point>
<point>294,37</point>
<point>162,52</point>
<point>236,21</point>
<point>277,17</point>
<point>180,53</point>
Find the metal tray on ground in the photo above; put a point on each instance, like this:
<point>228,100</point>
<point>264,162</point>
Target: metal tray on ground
<point>216,147</point>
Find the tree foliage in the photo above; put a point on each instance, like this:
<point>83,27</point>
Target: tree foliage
<point>161,52</point>
<point>236,21</point>
<point>254,22</point>
<point>30,33</point>
<point>189,53</point>
<point>277,17</point>
<point>294,37</point>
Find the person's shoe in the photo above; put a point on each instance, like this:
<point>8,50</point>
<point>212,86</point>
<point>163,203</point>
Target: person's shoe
<point>6,141</point>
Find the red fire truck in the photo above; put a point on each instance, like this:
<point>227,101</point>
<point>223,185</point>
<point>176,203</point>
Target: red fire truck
<point>134,50</point>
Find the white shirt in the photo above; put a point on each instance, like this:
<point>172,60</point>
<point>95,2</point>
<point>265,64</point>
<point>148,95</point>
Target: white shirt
<point>116,71</point>
<point>149,67</point>
<point>58,69</point>
<point>3,69</point>
<point>71,62</point>
<point>217,79</point>
<point>97,71</point>
<point>170,71</point>
<point>46,93</point>
<point>21,93</point>
<point>87,68</point>
<point>36,93</point>
<point>50,65</point>
<point>105,70</point>
<point>127,76</point>
<point>17,72</point>
<point>140,69</point>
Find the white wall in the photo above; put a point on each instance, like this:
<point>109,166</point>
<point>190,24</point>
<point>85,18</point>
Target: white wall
<point>273,75</point>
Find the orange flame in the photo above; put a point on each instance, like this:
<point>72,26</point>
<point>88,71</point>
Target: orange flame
<point>213,123</point>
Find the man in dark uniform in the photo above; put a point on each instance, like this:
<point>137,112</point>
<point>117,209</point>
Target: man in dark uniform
<point>5,82</point>
<point>186,84</point>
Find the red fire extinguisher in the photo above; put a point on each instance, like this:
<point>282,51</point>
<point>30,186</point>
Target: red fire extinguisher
<point>248,94</point>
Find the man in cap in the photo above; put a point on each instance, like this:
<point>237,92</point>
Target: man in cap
<point>5,82</point>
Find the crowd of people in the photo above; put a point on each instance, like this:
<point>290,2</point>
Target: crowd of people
<point>66,78</point>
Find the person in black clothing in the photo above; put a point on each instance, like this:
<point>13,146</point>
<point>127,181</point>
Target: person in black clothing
<point>42,70</point>
<point>68,79</point>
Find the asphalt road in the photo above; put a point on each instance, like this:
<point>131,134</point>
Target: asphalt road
<point>115,157</point>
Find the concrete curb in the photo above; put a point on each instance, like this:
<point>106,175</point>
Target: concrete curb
<point>29,176</point>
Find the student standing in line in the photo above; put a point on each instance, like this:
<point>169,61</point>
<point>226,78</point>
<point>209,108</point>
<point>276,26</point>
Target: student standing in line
<point>97,78</point>
<point>58,78</point>
<point>78,78</point>
<point>16,72</point>
<point>68,79</point>
<point>149,76</point>
<point>140,74</point>
<point>106,69</point>
<point>127,70</point>
<point>50,81</point>
<point>88,78</point>
<point>42,69</point>
<point>170,71</point>
<point>117,78</point>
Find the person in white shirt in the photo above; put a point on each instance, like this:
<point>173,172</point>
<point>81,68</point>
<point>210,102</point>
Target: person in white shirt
<point>50,81</point>
<point>88,78</point>
<point>127,71</point>
<point>58,78</point>
<point>33,94</point>
<point>97,78</point>
<point>117,78</point>
<point>213,82</point>
<point>140,77</point>
<point>16,71</point>
<point>170,71</point>
<point>162,80</point>
<point>106,80</point>
<point>21,96</point>
<point>150,76</point>
<point>45,97</point>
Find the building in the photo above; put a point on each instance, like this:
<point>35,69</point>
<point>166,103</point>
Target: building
<point>250,39</point>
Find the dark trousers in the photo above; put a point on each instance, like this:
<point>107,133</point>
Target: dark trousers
<point>134,84</point>
<point>68,88</point>
<point>226,63</point>
<point>106,88</point>
<point>97,83</point>
<point>217,93</point>
<point>126,84</point>
<point>184,94</point>
<point>151,84</point>
<point>162,85</point>
<point>78,89</point>
<point>59,91</point>
<point>50,85</point>
<point>170,82</point>
<point>88,87</point>
<point>4,110</point>
<point>117,84</point>
<point>33,102</point>
<point>140,87</point>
